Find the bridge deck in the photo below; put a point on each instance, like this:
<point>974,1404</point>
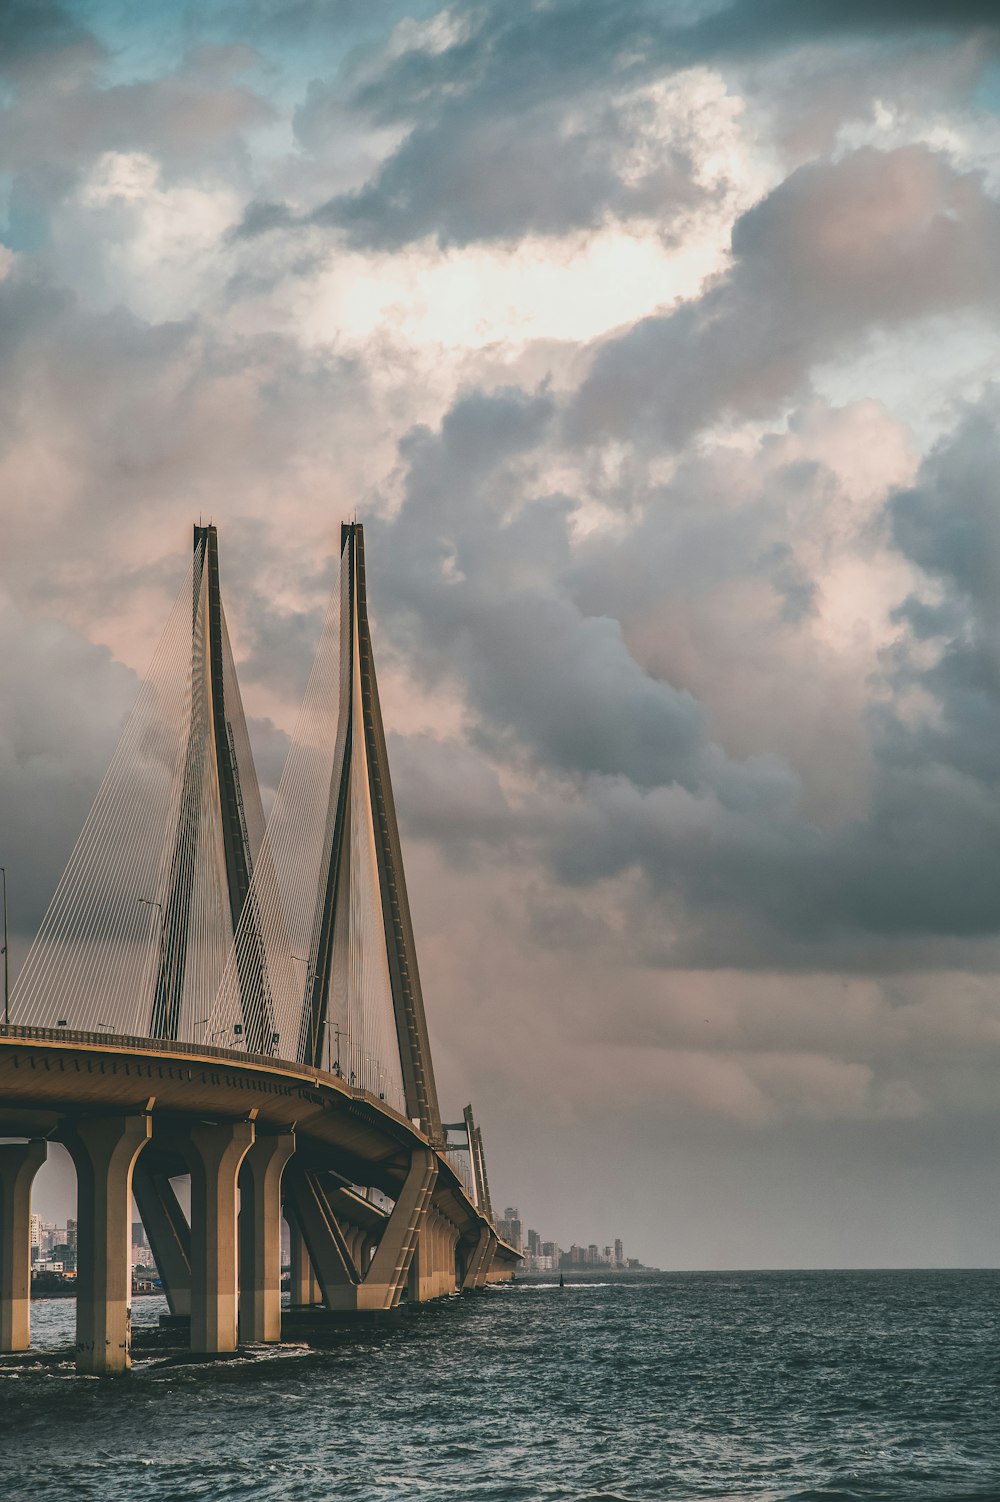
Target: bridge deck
<point>49,1074</point>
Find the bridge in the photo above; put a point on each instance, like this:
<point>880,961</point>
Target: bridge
<point>237,1002</point>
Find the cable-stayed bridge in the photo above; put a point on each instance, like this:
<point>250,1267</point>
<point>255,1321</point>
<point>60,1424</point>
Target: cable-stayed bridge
<point>239,1002</point>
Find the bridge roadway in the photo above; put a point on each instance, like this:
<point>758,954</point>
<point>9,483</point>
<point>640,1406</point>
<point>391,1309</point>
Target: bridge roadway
<point>136,1112</point>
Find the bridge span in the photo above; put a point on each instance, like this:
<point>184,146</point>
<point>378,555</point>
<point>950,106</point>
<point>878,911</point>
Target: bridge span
<point>262,1029</point>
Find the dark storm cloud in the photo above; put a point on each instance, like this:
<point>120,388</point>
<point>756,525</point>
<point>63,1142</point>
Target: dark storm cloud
<point>752,26</point>
<point>835,251</point>
<point>41,36</point>
<point>479,583</point>
<point>519,121</point>
<point>492,595</point>
<point>949,525</point>
<point>528,173</point>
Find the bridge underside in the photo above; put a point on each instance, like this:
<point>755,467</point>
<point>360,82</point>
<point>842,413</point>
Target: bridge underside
<point>377,1215</point>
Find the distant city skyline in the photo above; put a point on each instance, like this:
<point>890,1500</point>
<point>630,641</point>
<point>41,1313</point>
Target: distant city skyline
<point>542,1256</point>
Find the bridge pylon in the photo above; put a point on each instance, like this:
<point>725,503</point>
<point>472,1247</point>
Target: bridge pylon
<point>362,916</point>
<point>212,786</point>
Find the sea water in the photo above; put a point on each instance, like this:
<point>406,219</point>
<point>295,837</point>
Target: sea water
<point>806,1386</point>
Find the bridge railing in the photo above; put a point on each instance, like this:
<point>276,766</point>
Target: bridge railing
<point>129,1041</point>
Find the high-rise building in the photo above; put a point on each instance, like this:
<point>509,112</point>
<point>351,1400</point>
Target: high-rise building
<point>593,1256</point>
<point>534,1244</point>
<point>510,1227</point>
<point>619,1253</point>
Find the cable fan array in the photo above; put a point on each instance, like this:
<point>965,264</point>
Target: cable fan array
<point>122,939</point>
<point>317,867</point>
<point>180,916</point>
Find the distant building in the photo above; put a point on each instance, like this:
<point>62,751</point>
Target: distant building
<point>509,1228</point>
<point>61,1251</point>
<point>619,1253</point>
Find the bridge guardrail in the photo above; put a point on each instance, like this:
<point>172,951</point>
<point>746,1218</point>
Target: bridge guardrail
<point>28,1033</point>
<point>127,1040</point>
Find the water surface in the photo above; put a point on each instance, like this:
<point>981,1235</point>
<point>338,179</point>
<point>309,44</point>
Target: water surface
<point>818,1387</point>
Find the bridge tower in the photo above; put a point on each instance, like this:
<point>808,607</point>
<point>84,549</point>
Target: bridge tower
<point>211,780</point>
<point>362,860</point>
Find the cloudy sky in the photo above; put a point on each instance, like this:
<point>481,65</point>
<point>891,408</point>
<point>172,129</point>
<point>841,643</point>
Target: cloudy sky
<point>655,346</point>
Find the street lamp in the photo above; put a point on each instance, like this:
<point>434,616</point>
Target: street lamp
<point>152,902</point>
<point>299,960</point>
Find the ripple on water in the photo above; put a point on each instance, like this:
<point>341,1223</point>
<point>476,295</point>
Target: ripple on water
<point>853,1387</point>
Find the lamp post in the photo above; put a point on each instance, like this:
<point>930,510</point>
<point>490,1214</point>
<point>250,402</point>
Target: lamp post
<point>152,902</point>
<point>299,960</point>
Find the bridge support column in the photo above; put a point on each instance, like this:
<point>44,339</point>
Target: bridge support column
<point>433,1272</point>
<point>304,1291</point>
<point>474,1276</point>
<point>215,1154</point>
<point>387,1273</point>
<point>260,1237</point>
<point>104,1151</point>
<point>328,1251</point>
<point>19,1162</point>
<point>377,1284</point>
<point>169,1235</point>
<point>483,1273</point>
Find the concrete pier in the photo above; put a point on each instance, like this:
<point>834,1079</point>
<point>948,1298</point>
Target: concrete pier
<point>304,1290</point>
<point>215,1153</point>
<point>260,1237</point>
<point>19,1162</point>
<point>104,1151</point>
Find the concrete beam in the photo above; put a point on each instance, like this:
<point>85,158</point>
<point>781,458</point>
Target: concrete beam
<point>325,1242</point>
<point>169,1235</point>
<point>485,1267</point>
<point>387,1273</point>
<point>260,1237</point>
<point>104,1151</point>
<point>477,1257</point>
<point>19,1162</point>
